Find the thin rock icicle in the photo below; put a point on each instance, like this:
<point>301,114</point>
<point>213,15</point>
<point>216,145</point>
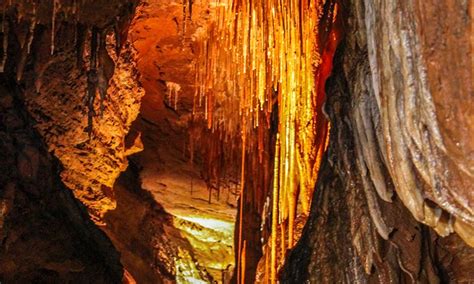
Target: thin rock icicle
<point>92,80</point>
<point>253,66</point>
<point>5,31</point>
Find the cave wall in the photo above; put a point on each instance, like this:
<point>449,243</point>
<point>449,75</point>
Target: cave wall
<point>46,235</point>
<point>399,120</point>
<point>399,153</point>
<point>60,53</point>
<point>57,172</point>
<point>91,165</point>
<point>152,248</point>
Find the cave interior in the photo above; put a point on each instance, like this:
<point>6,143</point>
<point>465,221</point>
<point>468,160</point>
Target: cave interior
<point>231,141</point>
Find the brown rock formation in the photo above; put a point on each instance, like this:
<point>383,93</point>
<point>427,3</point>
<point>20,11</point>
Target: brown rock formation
<point>46,233</point>
<point>151,246</point>
<point>53,60</point>
<point>91,165</point>
<point>391,137</point>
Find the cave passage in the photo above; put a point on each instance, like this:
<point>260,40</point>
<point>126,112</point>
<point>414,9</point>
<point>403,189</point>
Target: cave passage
<point>218,106</point>
<point>256,132</point>
<point>233,141</point>
<point>174,165</point>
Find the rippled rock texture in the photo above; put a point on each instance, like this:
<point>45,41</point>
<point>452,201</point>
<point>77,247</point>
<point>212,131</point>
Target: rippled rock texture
<point>400,154</point>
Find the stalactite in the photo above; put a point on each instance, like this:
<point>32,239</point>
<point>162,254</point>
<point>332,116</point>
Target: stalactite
<point>105,71</point>
<point>81,33</point>
<point>25,45</point>
<point>118,38</point>
<point>31,29</point>
<point>56,6</point>
<point>5,31</point>
<point>275,197</point>
<point>92,80</point>
<point>21,63</point>
<point>173,94</point>
<point>91,93</point>
<point>241,208</point>
<point>190,8</point>
<point>244,252</point>
<point>260,58</point>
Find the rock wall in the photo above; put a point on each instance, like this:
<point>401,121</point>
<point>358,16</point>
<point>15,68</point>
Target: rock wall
<point>71,44</point>
<point>91,165</point>
<point>47,58</point>
<point>158,184</point>
<point>80,84</point>
<point>399,152</point>
<point>46,235</point>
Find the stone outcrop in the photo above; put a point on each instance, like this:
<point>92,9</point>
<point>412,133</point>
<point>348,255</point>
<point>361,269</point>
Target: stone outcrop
<point>91,164</point>
<point>52,50</point>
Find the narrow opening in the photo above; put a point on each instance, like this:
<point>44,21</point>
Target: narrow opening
<point>182,165</point>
